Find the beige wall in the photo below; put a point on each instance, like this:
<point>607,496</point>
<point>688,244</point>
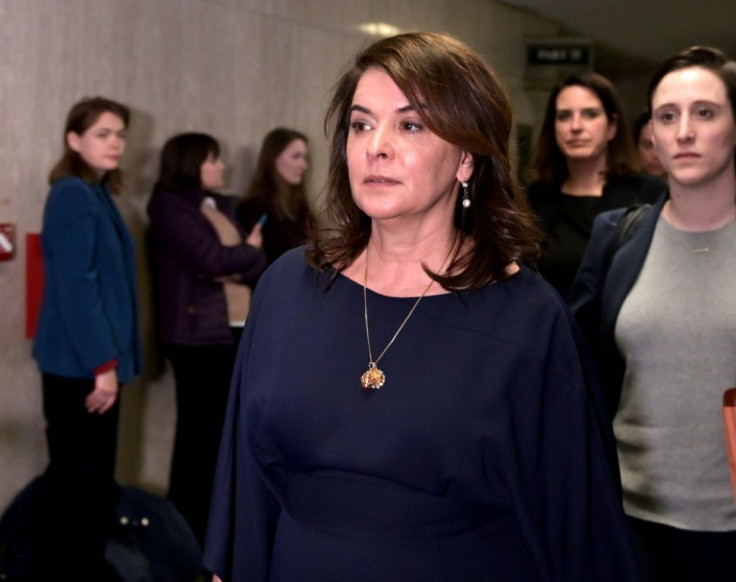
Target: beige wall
<point>233,68</point>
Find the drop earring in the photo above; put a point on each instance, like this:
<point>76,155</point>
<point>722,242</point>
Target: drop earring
<point>466,195</point>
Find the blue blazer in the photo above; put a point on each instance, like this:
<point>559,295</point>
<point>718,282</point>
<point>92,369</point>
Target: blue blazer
<point>89,311</point>
<point>597,295</point>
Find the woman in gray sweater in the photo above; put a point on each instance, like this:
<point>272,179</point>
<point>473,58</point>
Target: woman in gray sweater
<point>662,319</point>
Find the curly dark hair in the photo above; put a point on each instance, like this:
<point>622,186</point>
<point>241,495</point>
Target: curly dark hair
<point>461,100</point>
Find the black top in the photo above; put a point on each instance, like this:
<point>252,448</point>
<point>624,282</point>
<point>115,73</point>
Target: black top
<point>484,456</point>
<point>568,220</point>
<point>279,232</point>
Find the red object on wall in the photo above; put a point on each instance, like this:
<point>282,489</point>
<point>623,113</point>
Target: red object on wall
<point>34,281</point>
<point>7,242</point>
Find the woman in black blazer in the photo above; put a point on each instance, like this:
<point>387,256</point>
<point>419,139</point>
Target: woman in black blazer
<point>662,320</point>
<point>584,164</point>
<point>87,339</point>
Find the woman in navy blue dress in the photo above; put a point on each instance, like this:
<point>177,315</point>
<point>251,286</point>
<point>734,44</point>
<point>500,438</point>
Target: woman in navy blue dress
<point>410,403</point>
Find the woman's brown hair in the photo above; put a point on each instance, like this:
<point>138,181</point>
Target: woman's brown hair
<point>549,166</point>
<point>461,100</point>
<point>81,117</point>
<point>704,57</point>
<point>289,200</point>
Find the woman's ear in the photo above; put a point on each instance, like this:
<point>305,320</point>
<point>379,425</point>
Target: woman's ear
<point>465,167</point>
<point>73,141</point>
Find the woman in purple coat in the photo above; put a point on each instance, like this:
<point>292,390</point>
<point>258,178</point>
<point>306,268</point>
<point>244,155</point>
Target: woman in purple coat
<point>202,264</point>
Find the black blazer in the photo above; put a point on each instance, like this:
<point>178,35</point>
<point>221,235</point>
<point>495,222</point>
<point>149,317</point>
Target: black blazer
<point>597,295</point>
<point>619,192</point>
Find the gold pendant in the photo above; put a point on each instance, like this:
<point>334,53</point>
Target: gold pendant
<point>373,379</point>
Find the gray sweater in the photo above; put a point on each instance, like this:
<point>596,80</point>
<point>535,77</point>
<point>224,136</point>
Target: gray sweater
<point>677,331</point>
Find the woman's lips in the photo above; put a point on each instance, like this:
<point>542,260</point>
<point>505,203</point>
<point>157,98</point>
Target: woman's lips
<point>380,180</point>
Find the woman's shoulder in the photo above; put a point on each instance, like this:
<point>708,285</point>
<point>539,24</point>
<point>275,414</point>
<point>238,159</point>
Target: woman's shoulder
<point>292,264</point>
<point>538,191</point>
<point>71,195</point>
<point>71,185</point>
<point>518,308</point>
<point>543,200</point>
<point>529,288</point>
<point>164,200</point>
<point>639,187</point>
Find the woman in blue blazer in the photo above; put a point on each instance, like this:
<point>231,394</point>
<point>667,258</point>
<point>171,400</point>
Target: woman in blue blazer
<point>87,341</point>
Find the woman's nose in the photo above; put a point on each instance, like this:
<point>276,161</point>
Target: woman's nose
<point>684,129</point>
<point>379,144</point>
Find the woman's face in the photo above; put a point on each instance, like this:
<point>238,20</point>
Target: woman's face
<point>291,164</point>
<point>211,173</point>
<point>102,145</point>
<point>397,166</point>
<point>582,129</point>
<point>693,126</point>
<point>648,154</point>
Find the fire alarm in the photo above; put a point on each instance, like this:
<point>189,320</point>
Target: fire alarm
<point>7,242</point>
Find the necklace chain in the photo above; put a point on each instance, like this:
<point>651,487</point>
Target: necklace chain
<point>683,234</point>
<point>374,377</point>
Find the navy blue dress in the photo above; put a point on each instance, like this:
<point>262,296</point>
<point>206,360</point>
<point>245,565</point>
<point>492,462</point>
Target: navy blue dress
<point>485,456</point>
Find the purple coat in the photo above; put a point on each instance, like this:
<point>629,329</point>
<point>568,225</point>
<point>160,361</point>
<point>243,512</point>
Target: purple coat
<point>187,259</point>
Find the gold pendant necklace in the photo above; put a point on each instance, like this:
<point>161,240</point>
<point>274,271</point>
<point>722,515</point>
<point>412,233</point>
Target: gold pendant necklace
<point>374,378</point>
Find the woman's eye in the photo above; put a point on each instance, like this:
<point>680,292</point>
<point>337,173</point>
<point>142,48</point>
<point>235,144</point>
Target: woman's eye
<point>562,116</point>
<point>704,113</point>
<point>411,126</point>
<point>666,116</point>
<point>591,113</point>
<point>359,126</point>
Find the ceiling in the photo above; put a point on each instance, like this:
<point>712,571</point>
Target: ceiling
<point>631,36</point>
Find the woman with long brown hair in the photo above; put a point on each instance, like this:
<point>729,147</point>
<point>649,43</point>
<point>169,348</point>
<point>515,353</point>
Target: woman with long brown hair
<point>277,196</point>
<point>410,402</point>
<point>584,164</point>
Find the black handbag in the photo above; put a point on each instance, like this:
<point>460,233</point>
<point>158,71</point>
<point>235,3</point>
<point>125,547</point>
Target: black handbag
<point>151,542</point>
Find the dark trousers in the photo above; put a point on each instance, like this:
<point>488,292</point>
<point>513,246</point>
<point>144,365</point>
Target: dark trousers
<point>202,375</point>
<point>669,554</point>
<point>79,490</point>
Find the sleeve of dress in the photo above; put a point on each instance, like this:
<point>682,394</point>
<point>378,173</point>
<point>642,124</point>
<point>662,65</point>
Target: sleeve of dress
<point>585,296</point>
<point>572,483</point>
<point>243,510</point>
